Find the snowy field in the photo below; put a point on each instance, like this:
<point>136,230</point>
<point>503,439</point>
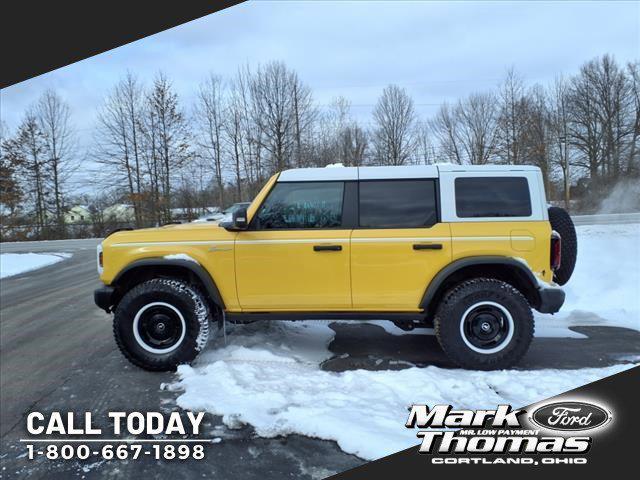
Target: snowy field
<point>269,375</point>
<point>15,263</point>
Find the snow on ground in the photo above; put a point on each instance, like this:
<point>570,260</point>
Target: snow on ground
<point>268,375</point>
<point>15,263</point>
<point>605,287</point>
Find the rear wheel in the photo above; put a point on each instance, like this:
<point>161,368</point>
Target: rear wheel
<point>484,324</point>
<point>161,324</point>
<point>561,222</point>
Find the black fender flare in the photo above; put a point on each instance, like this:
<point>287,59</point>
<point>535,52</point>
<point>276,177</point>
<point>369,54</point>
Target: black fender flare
<point>194,267</point>
<point>457,265</point>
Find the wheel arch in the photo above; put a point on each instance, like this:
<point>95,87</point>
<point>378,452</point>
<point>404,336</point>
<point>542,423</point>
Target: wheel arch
<point>506,269</point>
<point>141,270</point>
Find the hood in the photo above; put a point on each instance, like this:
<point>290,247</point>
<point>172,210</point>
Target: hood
<point>183,232</point>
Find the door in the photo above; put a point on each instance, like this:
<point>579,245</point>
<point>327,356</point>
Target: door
<point>295,255</point>
<point>399,245</point>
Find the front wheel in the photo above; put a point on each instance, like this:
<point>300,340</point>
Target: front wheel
<point>161,323</point>
<point>484,324</point>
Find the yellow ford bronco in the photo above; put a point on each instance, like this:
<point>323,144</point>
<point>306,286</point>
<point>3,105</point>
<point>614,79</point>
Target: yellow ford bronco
<point>466,250</point>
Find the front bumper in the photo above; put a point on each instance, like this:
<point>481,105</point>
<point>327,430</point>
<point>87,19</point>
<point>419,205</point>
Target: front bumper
<point>551,299</point>
<point>103,297</point>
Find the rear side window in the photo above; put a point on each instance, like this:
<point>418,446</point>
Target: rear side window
<point>302,205</point>
<point>397,204</point>
<point>492,197</point>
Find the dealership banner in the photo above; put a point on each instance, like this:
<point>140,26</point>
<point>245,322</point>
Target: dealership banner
<point>591,428</point>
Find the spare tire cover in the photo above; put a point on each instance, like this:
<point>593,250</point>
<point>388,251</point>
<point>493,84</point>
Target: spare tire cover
<point>561,222</point>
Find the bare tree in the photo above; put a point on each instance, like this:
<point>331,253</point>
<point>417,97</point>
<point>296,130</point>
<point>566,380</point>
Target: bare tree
<point>235,133</point>
<point>341,139</point>
<point>332,139</point>
<point>252,145</point>
<point>210,119</point>
<point>537,138</point>
<point>132,95</point>
<point>633,162</point>
<point>446,129</point>
<point>394,134</point>
<point>559,137</point>
<point>283,112</point>
<point>425,151</point>
<point>151,161</point>
<point>304,114</point>
<point>477,132</point>
<point>171,138</point>
<point>53,120</point>
<point>119,144</point>
<point>354,143</point>
<point>272,89</point>
<point>614,101</point>
<point>511,122</point>
<point>602,118</point>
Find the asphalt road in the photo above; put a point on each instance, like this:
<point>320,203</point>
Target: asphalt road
<point>57,354</point>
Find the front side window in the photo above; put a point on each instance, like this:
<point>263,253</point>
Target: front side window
<point>302,205</point>
<point>492,197</point>
<point>398,203</point>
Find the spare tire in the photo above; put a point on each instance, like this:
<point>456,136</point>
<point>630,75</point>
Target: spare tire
<point>561,222</point>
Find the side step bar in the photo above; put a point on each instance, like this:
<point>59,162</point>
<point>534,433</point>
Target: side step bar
<point>403,320</point>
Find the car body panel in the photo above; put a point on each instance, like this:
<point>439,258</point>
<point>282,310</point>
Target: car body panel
<point>281,270</point>
<point>387,273</point>
<point>525,241</point>
<point>208,244</point>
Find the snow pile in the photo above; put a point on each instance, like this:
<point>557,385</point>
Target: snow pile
<point>15,263</point>
<point>269,376</point>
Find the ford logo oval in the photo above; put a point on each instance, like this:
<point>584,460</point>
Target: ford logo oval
<point>570,416</point>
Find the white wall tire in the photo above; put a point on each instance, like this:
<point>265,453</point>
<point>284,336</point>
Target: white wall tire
<point>175,304</point>
<point>511,311</point>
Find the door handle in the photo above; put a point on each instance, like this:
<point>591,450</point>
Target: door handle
<point>427,246</point>
<point>327,248</point>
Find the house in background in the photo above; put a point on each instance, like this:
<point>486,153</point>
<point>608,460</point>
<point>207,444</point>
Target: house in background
<point>120,212</point>
<point>77,214</point>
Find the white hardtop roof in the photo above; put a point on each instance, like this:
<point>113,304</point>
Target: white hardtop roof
<point>381,173</point>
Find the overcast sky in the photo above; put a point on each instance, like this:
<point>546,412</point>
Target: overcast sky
<point>437,50</point>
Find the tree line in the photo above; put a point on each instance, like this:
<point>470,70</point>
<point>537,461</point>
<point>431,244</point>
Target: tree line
<point>152,151</point>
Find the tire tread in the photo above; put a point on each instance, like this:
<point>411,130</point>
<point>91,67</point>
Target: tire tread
<point>173,286</point>
<point>472,360</point>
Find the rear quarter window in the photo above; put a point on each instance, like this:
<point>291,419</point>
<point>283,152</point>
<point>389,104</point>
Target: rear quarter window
<point>397,203</point>
<point>492,197</point>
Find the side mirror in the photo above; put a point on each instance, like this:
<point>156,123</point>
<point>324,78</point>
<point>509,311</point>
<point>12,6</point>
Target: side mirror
<point>239,221</point>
